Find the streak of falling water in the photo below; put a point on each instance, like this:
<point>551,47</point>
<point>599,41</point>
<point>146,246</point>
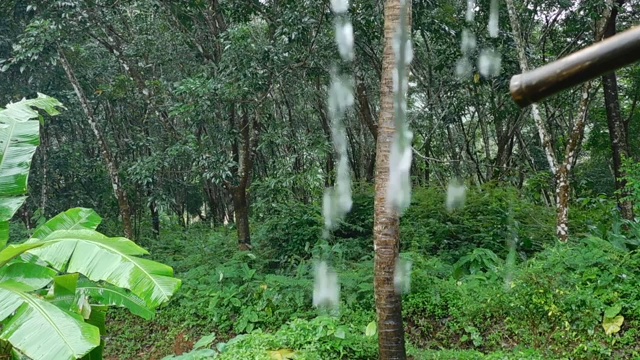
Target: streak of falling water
<point>512,243</point>
<point>468,43</point>
<point>489,63</point>
<point>494,15</point>
<point>402,276</point>
<point>456,195</point>
<point>326,289</point>
<point>337,200</point>
<point>399,186</point>
<point>471,10</point>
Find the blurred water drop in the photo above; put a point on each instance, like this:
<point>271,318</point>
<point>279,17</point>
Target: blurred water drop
<point>344,39</point>
<point>326,290</point>
<point>471,10</point>
<point>399,187</point>
<point>339,6</point>
<point>468,43</point>
<point>489,63</point>
<point>402,276</point>
<point>464,68</point>
<point>456,195</point>
<point>494,15</point>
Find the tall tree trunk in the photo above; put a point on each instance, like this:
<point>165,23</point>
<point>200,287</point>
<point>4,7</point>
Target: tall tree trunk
<point>561,171</point>
<point>112,166</point>
<point>386,222</point>
<point>617,130</point>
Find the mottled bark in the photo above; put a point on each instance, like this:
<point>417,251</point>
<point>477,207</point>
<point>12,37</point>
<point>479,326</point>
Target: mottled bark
<point>386,221</point>
<point>617,129</point>
<point>561,171</point>
<point>243,151</point>
<point>107,156</point>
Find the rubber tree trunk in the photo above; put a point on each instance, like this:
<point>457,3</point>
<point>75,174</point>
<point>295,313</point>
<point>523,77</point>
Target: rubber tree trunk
<point>617,127</point>
<point>561,171</point>
<point>112,166</point>
<point>386,222</point>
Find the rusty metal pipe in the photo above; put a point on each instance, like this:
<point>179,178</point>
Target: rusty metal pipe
<point>586,64</point>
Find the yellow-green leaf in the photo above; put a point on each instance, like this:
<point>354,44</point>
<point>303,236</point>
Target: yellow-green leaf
<point>371,329</point>
<point>282,354</point>
<point>612,325</point>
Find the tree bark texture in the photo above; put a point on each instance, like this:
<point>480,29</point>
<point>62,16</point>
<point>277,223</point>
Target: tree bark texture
<point>617,128</point>
<point>561,171</point>
<point>110,161</point>
<point>386,221</point>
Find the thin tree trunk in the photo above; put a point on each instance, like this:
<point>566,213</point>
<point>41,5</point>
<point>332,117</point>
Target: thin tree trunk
<point>617,130</point>
<point>386,221</point>
<point>562,171</point>
<point>112,166</point>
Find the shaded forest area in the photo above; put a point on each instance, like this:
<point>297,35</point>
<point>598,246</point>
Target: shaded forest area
<point>200,129</point>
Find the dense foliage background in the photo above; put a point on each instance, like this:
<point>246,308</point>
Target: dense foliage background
<point>200,130</point>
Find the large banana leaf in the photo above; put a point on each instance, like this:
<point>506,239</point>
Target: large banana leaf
<point>101,258</point>
<point>72,219</point>
<point>40,329</point>
<point>114,296</point>
<point>19,137</point>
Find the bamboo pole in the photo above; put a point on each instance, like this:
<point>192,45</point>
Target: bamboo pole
<point>591,62</point>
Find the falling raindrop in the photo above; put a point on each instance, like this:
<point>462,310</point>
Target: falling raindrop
<point>464,68</point>
<point>456,195</point>
<point>339,6</point>
<point>399,188</point>
<point>402,276</point>
<point>489,63</point>
<point>344,39</point>
<point>494,16</point>
<point>468,43</point>
<point>471,6</point>
<point>326,290</point>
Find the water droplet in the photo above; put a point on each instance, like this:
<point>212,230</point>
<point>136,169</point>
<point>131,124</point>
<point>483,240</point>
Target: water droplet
<point>468,43</point>
<point>456,195</point>
<point>399,187</point>
<point>489,63</point>
<point>339,6</point>
<point>494,16</point>
<point>402,276</point>
<point>464,68</point>
<point>471,10</point>
<point>326,289</point>
<point>344,39</point>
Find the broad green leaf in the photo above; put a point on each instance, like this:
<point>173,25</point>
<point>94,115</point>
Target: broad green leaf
<point>31,275</point>
<point>612,311</point>
<point>612,325</point>
<point>13,251</point>
<point>113,260</point>
<point>64,292</point>
<point>111,295</point>
<point>204,341</point>
<point>371,329</point>
<point>73,219</point>
<point>98,319</point>
<point>42,330</point>
<point>19,137</point>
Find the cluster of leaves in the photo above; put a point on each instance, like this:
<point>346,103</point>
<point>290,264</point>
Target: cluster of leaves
<point>322,337</point>
<point>492,218</point>
<point>576,301</point>
<point>56,286</point>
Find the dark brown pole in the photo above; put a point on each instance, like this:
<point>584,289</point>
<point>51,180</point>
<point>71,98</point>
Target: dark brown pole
<point>586,64</point>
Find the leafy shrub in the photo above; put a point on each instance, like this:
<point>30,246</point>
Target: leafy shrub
<point>491,217</point>
<point>555,301</point>
<point>320,338</point>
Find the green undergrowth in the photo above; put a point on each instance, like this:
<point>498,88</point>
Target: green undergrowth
<point>488,282</point>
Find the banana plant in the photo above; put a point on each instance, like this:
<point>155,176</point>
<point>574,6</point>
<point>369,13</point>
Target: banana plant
<point>56,286</point>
